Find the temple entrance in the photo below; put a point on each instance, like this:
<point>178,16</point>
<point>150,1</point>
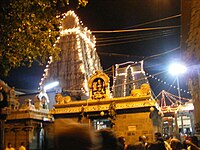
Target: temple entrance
<point>101,123</point>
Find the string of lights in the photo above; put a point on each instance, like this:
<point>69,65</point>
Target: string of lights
<point>160,83</point>
<point>172,99</point>
<point>170,87</point>
<point>80,33</point>
<point>175,96</point>
<point>164,82</point>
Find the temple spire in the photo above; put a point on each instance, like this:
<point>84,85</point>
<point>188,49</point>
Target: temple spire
<point>78,57</point>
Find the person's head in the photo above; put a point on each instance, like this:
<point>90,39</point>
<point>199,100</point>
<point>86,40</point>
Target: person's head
<point>142,139</point>
<point>109,139</point>
<point>22,143</point>
<point>9,145</point>
<point>158,136</point>
<point>139,146</point>
<point>194,140</point>
<point>122,140</point>
<point>175,144</point>
<point>74,136</point>
<point>157,146</point>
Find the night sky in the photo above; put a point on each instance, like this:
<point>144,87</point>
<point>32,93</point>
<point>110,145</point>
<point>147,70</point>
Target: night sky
<point>109,15</point>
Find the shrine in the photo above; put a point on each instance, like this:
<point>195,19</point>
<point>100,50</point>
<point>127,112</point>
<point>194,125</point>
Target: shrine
<point>130,116</point>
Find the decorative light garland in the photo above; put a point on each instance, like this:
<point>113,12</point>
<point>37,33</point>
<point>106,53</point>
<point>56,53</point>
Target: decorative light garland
<point>173,99</point>
<point>164,82</point>
<point>89,43</point>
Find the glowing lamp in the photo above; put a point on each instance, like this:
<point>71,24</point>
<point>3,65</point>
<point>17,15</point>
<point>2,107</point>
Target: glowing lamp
<point>176,69</point>
<point>151,109</point>
<point>102,113</point>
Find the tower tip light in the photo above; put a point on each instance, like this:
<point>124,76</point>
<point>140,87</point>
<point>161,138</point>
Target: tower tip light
<point>51,85</point>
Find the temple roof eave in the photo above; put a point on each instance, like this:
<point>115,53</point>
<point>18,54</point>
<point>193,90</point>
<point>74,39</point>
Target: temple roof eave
<point>103,101</point>
<point>102,105</point>
<point>42,115</point>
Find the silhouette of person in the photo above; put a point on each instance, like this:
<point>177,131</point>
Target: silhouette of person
<point>9,147</point>
<point>22,147</point>
<point>109,139</point>
<point>74,136</point>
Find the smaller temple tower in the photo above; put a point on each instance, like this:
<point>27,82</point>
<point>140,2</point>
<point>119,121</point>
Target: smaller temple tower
<point>128,76</point>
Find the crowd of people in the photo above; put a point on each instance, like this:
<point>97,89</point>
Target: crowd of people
<point>10,147</point>
<point>169,143</point>
<point>75,136</point>
<point>80,137</point>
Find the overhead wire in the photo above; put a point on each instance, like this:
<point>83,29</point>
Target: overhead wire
<point>26,90</point>
<point>155,21</point>
<point>132,37</point>
<point>136,30</point>
<point>152,56</point>
<point>157,64</point>
<point>169,51</point>
<point>135,35</point>
<point>120,55</point>
<point>131,41</point>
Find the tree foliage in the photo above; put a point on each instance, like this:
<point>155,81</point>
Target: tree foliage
<point>29,28</point>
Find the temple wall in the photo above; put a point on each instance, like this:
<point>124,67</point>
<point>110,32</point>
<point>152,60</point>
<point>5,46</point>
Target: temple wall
<point>131,126</point>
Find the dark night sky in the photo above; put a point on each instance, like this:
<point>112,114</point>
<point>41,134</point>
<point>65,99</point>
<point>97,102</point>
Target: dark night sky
<point>101,15</point>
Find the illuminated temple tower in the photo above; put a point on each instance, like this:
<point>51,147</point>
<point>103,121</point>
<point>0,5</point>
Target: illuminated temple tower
<point>128,76</point>
<point>79,59</point>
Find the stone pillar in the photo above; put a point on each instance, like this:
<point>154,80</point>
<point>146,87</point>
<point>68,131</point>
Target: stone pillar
<point>176,126</point>
<point>170,122</point>
<point>15,130</point>
<point>27,129</point>
<point>1,134</point>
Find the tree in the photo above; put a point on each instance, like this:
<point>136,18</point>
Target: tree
<point>29,29</point>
